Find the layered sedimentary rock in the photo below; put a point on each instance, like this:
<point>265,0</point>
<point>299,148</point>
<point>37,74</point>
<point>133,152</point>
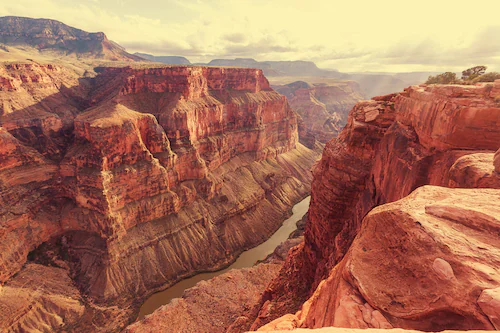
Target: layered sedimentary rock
<point>221,304</point>
<point>225,303</point>
<point>427,262</point>
<point>139,177</point>
<point>392,145</point>
<point>322,107</point>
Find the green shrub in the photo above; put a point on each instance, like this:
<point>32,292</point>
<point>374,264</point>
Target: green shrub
<point>473,72</point>
<point>488,77</point>
<point>445,78</point>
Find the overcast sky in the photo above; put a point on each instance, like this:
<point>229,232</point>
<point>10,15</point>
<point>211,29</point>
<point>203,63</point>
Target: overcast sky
<point>348,35</point>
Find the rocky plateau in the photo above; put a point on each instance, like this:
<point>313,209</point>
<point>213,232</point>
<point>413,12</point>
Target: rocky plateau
<point>119,179</point>
<point>402,228</point>
<point>118,185</point>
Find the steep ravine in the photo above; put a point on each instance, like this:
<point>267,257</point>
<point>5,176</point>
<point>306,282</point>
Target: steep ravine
<point>220,300</point>
<point>122,185</point>
<point>322,107</point>
<point>426,257</point>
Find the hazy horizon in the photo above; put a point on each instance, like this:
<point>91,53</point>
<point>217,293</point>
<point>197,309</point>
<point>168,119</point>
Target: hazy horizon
<point>359,36</point>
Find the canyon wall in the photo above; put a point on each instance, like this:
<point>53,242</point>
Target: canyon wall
<point>323,107</point>
<point>428,261</point>
<point>123,184</point>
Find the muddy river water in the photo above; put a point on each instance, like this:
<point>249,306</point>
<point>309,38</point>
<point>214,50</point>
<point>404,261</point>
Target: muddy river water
<point>246,259</point>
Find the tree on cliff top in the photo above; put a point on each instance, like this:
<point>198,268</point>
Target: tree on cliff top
<point>473,72</point>
<point>445,78</point>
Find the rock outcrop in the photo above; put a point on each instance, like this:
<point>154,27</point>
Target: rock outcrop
<point>218,305</point>
<point>357,330</point>
<point>135,179</point>
<point>427,273</point>
<point>323,107</point>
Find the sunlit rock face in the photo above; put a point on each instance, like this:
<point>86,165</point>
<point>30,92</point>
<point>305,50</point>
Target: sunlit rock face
<point>356,263</point>
<point>166,170</point>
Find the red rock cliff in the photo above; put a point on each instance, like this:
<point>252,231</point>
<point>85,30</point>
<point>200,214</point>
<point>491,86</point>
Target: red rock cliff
<point>134,179</point>
<point>410,263</point>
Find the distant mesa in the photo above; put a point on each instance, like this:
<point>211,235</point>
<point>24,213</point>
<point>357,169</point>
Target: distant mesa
<point>47,35</point>
<point>169,60</point>
<point>278,68</point>
<point>299,85</point>
<point>238,62</point>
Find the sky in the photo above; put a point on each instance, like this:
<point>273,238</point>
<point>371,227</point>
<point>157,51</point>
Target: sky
<point>348,35</point>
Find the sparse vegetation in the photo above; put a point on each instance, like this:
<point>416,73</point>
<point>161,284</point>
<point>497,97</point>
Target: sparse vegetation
<point>488,77</point>
<point>473,72</point>
<point>445,78</point>
<point>472,75</point>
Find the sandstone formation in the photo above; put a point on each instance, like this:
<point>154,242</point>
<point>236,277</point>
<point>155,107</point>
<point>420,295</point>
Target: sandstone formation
<point>322,107</point>
<point>225,303</point>
<point>429,262</point>
<point>497,161</point>
<point>419,263</point>
<point>354,330</point>
<point>134,179</point>
<point>221,304</point>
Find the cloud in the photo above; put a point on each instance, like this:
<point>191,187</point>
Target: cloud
<point>237,37</point>
<point>164,48</point>
<point>333,34</point>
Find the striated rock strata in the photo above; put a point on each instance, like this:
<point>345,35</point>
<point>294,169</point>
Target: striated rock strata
<point>426,262</point>
<point>133,180</point>
<point>322,107</point>
<point>354,330</point>
<point>211,306</point>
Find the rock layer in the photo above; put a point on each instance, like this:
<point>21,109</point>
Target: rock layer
<point>166,170</point>
<point>417,263</point>
<point>217,305</point>
<point>437,135</point>
<point>323,107</point>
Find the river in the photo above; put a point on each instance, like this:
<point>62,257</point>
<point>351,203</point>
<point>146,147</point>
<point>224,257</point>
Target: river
<point>246,259</point>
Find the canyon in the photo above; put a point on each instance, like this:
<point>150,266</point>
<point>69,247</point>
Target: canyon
<point>121,184</point>
<point>402,227</point>
<point>120,177</point>
<point>323,107</point>
<point>403,217</point>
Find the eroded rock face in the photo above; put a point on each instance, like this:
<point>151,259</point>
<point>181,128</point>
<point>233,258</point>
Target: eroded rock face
<point>422,262</point>
<point>496,161</point>
<point>355,330</point>
<point>217,305</point>
<point>167,170</point>
<point>322,107</point>
<point>390,147</point>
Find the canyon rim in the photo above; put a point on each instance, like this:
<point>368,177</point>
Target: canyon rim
<point>210,167</point>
